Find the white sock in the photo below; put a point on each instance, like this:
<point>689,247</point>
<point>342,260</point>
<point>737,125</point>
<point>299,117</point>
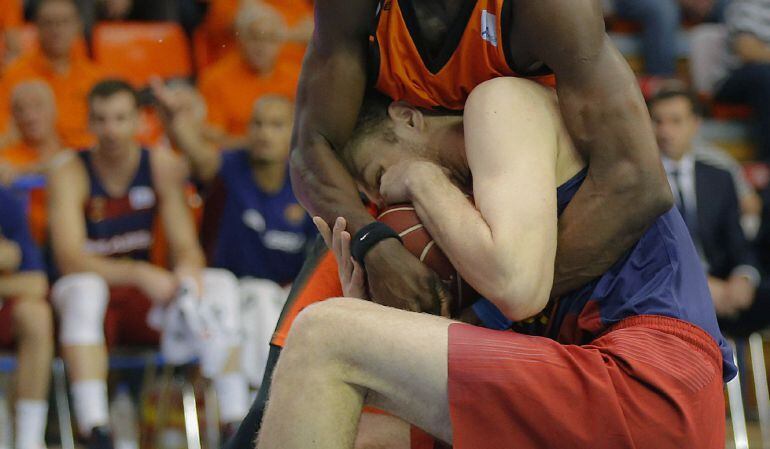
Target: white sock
<point>31,418</point>
<point>233,397</point>
<point>90,403</point>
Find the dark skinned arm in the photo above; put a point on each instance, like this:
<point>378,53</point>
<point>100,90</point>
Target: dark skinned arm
<point>329,97</point>
<point>626,187</point>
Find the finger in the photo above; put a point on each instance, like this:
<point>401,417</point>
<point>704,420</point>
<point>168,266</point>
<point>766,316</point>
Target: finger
<point>324,230</point>
<point>357,279</point>
<point>346,247</point>
<point>339,226</point>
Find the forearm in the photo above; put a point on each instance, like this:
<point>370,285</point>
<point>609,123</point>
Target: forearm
<point>31,285</point>
<point>626,187</point>
<point>752,50</point>
<point>115,272</point>
<point>190,259</point>
<point>324,187</point>
<point>204,159</point>
<point>480,256</point>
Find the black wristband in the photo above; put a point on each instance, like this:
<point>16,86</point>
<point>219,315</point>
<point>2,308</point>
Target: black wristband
<point>368,236</point>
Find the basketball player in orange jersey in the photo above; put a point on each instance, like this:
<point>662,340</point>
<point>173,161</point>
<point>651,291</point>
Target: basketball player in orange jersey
<point>432,53</point>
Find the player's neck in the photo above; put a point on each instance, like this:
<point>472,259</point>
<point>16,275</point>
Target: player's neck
<point>269,176</point>
<point>116,170</point>
<point>449,144</point>
<point>46,147</point>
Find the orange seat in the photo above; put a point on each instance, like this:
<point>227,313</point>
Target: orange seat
<point>139,51</point>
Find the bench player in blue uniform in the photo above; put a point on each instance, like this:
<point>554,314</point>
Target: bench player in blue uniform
<point>104,205</point>
<point>253,225</point>
<point>25,320</point>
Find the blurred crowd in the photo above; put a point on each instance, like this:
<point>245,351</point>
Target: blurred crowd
<point>143,158</point>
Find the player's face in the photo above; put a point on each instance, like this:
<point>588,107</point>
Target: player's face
<point>114,121</point>
<point>260,43</point>
<point>375,156</point>
<point>34,113</point>
<point>270,131</point>
<point>676,126</point>
<point>58,25</point>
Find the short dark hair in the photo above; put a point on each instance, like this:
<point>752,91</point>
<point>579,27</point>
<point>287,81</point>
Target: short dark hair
<point>373,112</point>
<point>667,93</point>
<point>371,118</point>
<point>109,87</point>
<point>41,3</point>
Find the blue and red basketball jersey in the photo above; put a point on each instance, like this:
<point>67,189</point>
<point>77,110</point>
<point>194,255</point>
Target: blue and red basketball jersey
<point>660,275</point>
<point>121,226</point>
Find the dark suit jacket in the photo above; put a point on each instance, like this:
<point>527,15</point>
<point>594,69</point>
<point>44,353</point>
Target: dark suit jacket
<point>719,230</point>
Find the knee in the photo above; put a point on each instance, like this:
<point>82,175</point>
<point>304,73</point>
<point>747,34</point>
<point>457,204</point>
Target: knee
<point>322,327</point>
<point>33,319</point>
<point>81,301</point>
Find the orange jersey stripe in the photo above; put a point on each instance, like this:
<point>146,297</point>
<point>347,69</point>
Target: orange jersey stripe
<point>473,54</point>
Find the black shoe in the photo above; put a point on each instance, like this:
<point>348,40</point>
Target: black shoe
<point>100,438</point>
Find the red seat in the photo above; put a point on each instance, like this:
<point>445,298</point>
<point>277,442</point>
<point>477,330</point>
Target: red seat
<point>139,51</point>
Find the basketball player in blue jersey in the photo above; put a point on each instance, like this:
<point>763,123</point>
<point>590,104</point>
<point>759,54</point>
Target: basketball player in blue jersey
<point>260,232</point>
<point>634,359</point>
<point>104,203</point>
<point>26,321</point>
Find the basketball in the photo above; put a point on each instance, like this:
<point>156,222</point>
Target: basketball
<point>403,219</point>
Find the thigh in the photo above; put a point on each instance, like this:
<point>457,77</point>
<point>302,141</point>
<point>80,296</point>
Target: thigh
<point>125,322</point>
<point>398,357</point>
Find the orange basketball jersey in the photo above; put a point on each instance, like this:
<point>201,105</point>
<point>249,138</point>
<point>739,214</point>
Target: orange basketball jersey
<point>475,50</point>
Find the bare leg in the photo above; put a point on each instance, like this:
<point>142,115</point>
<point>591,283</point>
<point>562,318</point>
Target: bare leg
<point>344,353</point>
<point>86,362</point>
<point>383,432</point>
<point>34,332</point>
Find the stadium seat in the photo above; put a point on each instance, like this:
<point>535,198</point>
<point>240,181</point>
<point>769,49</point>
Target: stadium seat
<point>139,51</point>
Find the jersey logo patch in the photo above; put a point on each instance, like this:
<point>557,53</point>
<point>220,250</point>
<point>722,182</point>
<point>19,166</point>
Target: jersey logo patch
<point>141,197</point>
<point>489,27</point>
<point>254,220</point>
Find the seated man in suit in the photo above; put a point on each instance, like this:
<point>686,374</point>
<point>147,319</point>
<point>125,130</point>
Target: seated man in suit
<point>707,198</point>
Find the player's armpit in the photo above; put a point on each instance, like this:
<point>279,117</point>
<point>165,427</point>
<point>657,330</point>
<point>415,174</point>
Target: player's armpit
<point>626,188</point>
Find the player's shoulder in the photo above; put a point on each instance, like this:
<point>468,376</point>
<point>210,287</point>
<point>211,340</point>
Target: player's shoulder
<point>510,91</point>
<point>69,171</point>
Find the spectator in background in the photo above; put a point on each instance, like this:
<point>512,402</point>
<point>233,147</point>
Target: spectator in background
<point>59,63</point>
<point>34,113</point>
<point>707,199</point>
<point>11,17</point>
<point>231,85</point>
<point>218,27</point>
<point>103,204</point>
<point>661,21</point>
<point>748,22</point>
<point>25,317</point>
<point>261,230</point>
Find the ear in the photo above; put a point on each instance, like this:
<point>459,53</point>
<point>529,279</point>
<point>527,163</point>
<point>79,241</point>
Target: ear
<point>405,114</point>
